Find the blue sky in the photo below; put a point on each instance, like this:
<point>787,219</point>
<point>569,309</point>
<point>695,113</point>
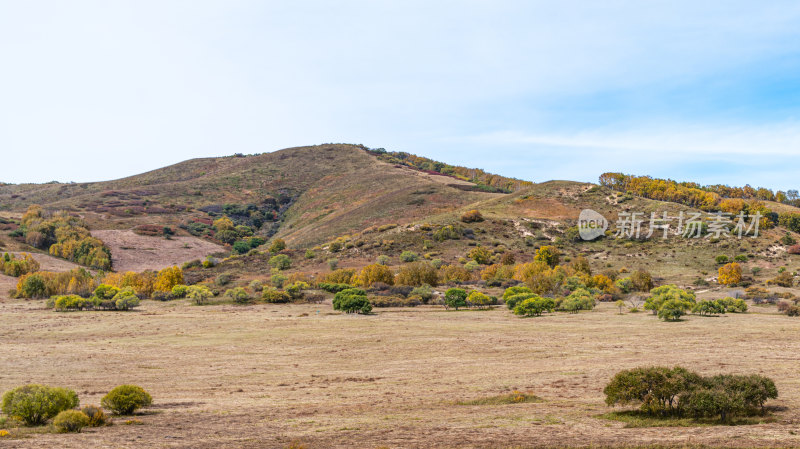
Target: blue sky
<point>702,91</point>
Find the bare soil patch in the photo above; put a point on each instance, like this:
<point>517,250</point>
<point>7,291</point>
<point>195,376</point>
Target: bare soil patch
<point>133,252</point>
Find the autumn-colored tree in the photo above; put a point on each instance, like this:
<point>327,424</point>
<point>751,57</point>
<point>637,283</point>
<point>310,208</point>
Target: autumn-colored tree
<point>730,274</point>
<point>548,254</point>
<point>454,273</point>
<point>537,275</point>
<point>371,274</point>
<point>497,271</point>
<point>341,276</point>
<point>168,278</point>
<point>223,224</point>
<point>604,283</point>
<point>418,273</point>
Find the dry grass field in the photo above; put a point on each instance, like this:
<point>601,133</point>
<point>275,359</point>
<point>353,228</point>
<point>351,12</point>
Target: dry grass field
<point>263,376</point>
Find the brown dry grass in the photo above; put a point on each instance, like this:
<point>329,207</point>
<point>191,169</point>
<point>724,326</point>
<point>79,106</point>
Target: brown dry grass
<point>265,375</point>
<point>133,252</point>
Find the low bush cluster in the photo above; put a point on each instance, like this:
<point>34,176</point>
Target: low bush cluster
<point>11,265</point>
<point>105,297</point>
<point>720,306</point>
<point>665,391</point>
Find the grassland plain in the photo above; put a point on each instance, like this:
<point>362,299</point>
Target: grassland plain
<point>266,375</point>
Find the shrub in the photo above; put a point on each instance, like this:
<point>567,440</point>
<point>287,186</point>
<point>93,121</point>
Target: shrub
<point>125,299</point>
<point>706,307</point>
<point>740,258</point>
<point>353,300</point>
<point>455,297</point>
<point>383,259</point>
<point>548,254</point>
<point>454,273</point>
<point>277,246</point>
<point>472,216</point>
<point>239,295</point>
<point>479,299</point>
<point>179,291</point>
<point>425,293</point>
<point>670,302</point>
<point>471,266</point>
<point>275,296</point>
<point>96,415</point>
<point>730,274</point>
<point>35,404</point>
<point>409,256</point>
<point>783,279</point>
<point>241,247</point>
<point>371,274</point>
<point>341,276</point>
<point>721,259</point>
<point>534,306</point>
<point>394,301</point>
<point>168,278</point>
<point>580,299</point>
<point>642,281</point>
<point>126,399</point>
<point>624,285</point>
<point>310,254</point>
<point>277,280</point>
<point>418,273</point>
<point>71,302</point>
<point>71,421</point>
<point>480,255</point>
<point>333,287</point>
<point>200,294</point>
<point>656,388</point>
<point>281,262</point>
<point>32,286</point>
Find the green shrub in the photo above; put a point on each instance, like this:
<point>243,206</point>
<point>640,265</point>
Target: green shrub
<point>281,262</point>
<point>239,295</point>
<point>125,299</point>
<point>740,258</point>
<point>241,247</point>
<point>179,291</point>
<point>353,300</point>
<point>71,421</point>
<point>310,254</point>
<point>105,291</point>
<point>383,259</point>
<point>277,280</point>
<point>455,298</point>
<point>722,259</point>
<point>223,279</point>
<point>126,399</point>
<point>33,286</point>
<point>200,294</point>
<point>409,256</point>
<point>437,263</point>
<point>333,287</point>
<point>534,306</point>
<point>425,292</point>
<point>580,299</point>
<point>71,302</point>
<point>35,404</point>
<point>97,417</point>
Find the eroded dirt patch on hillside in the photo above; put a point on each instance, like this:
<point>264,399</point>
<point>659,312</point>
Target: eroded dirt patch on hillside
<point>132,252</point>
